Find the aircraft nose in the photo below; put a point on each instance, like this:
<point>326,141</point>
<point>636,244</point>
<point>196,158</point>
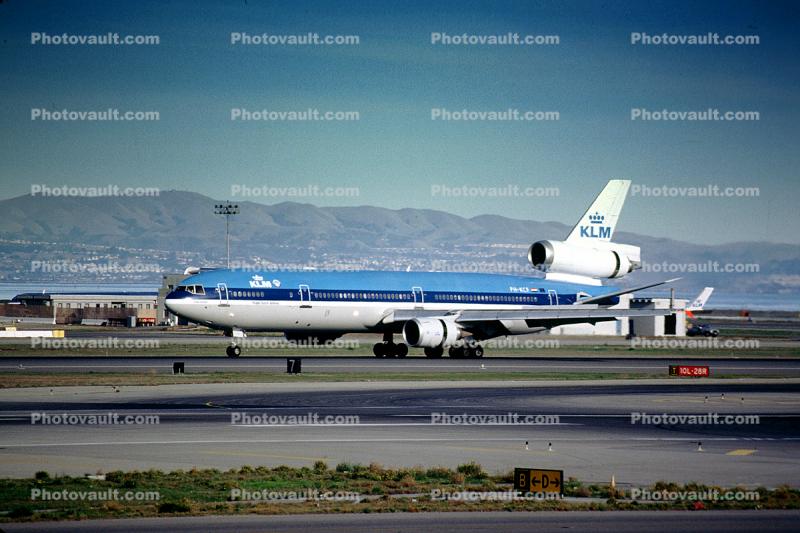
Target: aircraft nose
<point>172,299</point>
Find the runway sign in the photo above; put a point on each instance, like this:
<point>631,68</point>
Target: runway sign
<point>537,480</point>
<point>689,371</point>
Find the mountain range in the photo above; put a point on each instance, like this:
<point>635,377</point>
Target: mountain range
<point>177,227</point>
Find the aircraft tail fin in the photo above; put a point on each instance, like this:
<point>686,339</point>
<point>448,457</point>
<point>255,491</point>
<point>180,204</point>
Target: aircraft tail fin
<point>599,221</point>
<point>700,302</point>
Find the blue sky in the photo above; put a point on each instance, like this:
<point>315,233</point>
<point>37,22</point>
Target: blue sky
<point>393,78</point>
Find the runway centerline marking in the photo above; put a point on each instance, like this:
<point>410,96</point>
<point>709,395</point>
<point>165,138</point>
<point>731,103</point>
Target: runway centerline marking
<point>741,452</point>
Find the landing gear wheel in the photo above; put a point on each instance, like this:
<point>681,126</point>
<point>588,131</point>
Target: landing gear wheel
<point>401,350</point>
<point>233,351</point>
<point>473,352</point>
<point>456,352</point>
<point>434,353</point>
<point>377,350</point>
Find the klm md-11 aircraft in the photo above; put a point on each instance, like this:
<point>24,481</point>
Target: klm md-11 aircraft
<point>432,310</point>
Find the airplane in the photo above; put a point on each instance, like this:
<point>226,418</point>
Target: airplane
<point>435,311</point>
<point>699,303</point>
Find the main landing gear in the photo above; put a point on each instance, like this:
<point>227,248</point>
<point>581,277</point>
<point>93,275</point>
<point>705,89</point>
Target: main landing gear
<point>434,353</point>
<point>467,351</point>
<point>388,348</point>
<point>460,352</point>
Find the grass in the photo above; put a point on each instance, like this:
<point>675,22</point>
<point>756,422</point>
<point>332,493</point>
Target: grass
<point>361,345</point>
<point>257,489</point>
<point>175,348</point>
<point>754,332</point>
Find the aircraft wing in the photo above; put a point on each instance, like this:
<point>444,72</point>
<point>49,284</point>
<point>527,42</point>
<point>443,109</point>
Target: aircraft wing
<point>602,297</point>
<point>544,316</point>
<point>487,324</point>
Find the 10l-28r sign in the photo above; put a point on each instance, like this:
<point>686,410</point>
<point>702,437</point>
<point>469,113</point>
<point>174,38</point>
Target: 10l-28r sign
<point>689,371</point>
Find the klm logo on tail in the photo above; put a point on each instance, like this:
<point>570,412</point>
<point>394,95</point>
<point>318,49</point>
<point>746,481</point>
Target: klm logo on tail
<point>598,222</point>
<point>596,229</point>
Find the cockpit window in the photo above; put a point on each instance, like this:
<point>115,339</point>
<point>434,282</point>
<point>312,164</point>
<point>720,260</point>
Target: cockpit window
<point>194,289</point>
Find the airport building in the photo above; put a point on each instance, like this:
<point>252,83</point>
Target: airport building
<point>673,324</point>
<point>101,308</point>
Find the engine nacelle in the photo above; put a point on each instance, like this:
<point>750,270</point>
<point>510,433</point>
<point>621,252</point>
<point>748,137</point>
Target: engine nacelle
<point>601,260</point>
<point>430,332</point>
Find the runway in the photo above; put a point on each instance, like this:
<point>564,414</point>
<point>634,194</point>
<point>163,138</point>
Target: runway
<point>612,522</point>
<point>761,367</point>
<point>592,436</point>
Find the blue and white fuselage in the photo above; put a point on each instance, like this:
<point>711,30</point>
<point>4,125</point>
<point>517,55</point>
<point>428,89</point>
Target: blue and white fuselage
<point>350,302</point>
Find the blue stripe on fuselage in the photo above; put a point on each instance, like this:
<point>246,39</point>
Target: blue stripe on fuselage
<point>438,287</point>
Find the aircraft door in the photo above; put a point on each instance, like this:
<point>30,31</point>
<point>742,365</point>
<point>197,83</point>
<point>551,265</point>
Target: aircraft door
<point>553,296</point>
<point>222,292</point>
<point>419,297</point>
<point>305,296</point>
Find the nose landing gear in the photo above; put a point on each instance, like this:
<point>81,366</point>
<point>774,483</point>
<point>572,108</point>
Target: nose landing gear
<point>233,351</point>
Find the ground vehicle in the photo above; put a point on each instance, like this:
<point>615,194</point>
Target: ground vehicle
<point>702,330</point>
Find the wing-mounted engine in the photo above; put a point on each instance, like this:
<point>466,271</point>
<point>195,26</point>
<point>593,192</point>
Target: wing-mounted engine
<point>430,332</point>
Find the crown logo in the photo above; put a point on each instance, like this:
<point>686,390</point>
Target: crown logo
<point>597,218</point>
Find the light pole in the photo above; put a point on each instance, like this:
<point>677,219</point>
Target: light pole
<point>227,209</point>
